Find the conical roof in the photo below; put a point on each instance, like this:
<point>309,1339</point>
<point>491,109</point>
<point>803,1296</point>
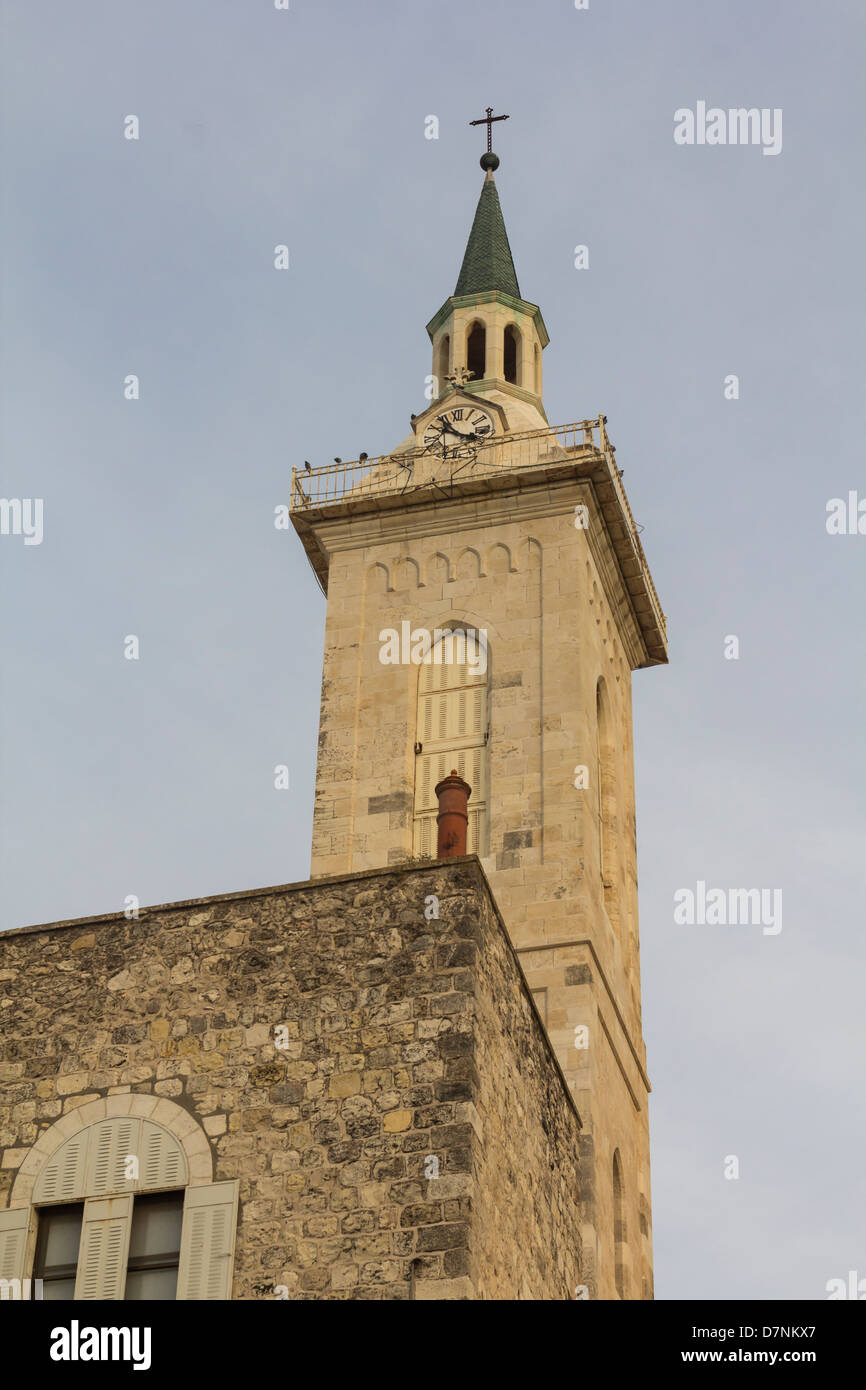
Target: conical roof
<point>487,263</point>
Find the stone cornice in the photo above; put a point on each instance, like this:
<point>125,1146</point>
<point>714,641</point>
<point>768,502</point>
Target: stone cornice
<point>469,301</point>
<point>533,492</point>
<point>586,941</point>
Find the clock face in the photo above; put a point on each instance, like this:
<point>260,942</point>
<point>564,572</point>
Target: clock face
<point>458,432</point>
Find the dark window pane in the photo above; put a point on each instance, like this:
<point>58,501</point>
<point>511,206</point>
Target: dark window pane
<point>153,1285</point>
<point>154,1247</point>
<point>57,1289</point>
<point>58,1238</point>
<point>156,1223</point>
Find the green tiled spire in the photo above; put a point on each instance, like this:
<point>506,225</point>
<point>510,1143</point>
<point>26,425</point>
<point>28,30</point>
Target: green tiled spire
<point>487,264</point>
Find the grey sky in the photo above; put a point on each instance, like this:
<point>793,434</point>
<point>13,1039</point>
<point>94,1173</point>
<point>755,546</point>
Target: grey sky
<point>155,257</point>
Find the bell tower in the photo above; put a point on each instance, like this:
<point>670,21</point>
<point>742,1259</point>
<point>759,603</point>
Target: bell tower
<point>488,599</point>
<point>485,336</point>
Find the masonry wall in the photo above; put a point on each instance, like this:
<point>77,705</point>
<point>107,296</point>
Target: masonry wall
<point>528,1178</point>
<point>411,1047</point>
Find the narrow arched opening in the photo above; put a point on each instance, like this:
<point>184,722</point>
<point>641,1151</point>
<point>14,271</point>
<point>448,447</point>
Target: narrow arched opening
<point>511,354</point>
<point>443,360</point>
<point>476,350</point>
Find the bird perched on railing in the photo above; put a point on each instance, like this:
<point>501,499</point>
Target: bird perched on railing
<point>308,466</point>
<point>336,460</point>
<point>362,458</point>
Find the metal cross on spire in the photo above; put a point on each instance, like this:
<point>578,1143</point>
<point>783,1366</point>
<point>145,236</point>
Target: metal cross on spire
<point>488,121</point>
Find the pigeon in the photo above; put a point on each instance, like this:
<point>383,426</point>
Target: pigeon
<point>336,460</point>
<point>308,466</point>
<point>363,457</point>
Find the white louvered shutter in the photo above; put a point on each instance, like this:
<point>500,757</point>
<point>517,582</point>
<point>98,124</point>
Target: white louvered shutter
<point>14,1226</point>
<point>93,1162</point>
<point>162,1159</point>
<point>452,729</point>
<point>111,1143</point>
<point>104,1248</point>
<point>62,1178</point>
<point>207,1241</point>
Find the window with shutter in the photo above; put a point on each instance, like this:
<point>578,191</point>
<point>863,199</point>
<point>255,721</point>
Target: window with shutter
<point>115,1219</point>
<point>452,732</point>
<point>208,1240</point>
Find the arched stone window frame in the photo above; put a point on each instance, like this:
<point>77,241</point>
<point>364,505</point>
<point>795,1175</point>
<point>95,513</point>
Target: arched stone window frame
<point>469,753</point>
<point>209,1211</point>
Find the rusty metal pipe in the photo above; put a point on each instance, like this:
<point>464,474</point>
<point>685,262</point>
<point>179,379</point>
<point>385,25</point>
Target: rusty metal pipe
<point>453,819</point>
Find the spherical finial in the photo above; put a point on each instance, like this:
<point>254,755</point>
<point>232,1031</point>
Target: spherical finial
<point>489,161</point>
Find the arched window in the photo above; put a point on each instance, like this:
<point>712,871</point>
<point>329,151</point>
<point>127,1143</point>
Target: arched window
<point>619,1232</point>
<point>476,350</point>
<point>605,782</point>
<point>443,364</point>
<point>121,1208</point>
<point>451,732</point>
<point>511,354</point>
